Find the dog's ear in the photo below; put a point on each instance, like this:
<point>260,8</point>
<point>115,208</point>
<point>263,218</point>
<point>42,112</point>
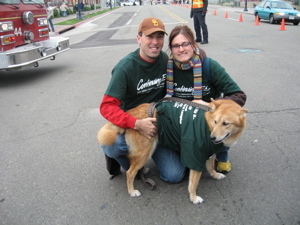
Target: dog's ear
<point>243,113</point>
<point>212,105</point>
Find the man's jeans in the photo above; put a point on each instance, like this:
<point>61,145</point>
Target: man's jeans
<point>167,161</point>
<point>51,24</point>
<point>79,14</point>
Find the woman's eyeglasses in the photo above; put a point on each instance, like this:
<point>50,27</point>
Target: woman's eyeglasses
<point>183,45</point>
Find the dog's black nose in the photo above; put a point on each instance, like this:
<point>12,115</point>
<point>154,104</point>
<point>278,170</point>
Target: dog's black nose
<point>212,138</point>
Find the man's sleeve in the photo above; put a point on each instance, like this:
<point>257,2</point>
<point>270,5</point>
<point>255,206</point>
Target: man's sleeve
<point>110,110</point>
<point>205,2</point>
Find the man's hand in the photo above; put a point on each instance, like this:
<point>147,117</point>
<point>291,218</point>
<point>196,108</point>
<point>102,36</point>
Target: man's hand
<point>146,127</point>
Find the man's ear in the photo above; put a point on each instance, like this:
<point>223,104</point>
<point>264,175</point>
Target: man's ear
<point>138,38</point>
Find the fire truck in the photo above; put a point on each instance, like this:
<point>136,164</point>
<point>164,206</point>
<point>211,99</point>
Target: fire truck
<point>24,35</point>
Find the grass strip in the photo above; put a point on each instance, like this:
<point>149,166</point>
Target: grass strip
<point>86,16</point>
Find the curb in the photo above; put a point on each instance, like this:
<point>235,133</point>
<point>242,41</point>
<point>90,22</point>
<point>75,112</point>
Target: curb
<point>67,28</point>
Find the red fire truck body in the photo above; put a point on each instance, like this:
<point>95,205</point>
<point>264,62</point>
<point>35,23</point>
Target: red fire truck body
<point>24,35</point>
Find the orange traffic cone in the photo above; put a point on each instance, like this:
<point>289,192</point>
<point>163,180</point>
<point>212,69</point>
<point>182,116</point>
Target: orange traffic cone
<point>215,12</point>
<point>282,27</point>
<point>256,21</point>
<point>226,15</point>
<point>241,18</point>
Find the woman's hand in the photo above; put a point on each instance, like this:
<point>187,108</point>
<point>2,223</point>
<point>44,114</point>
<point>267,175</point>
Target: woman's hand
<point>201,102</point>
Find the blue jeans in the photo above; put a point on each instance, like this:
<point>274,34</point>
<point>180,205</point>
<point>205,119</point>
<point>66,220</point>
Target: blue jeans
<point>51,24</point>
<point>166,160</point>
<point>223,155</point>
<point>64,13</point>
<point>79,14</point>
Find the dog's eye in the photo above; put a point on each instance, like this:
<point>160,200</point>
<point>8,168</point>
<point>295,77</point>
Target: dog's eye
<point>225,123</point>
<point>216,122</point>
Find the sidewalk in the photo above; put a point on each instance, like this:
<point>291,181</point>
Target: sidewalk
<point>63,28</point>
<point>233,9</point>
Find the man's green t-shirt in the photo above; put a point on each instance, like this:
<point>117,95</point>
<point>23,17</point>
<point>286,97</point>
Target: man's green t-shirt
<point>135,81</point>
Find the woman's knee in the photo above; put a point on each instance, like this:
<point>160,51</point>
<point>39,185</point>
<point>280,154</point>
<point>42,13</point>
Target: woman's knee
<point>174,175</point>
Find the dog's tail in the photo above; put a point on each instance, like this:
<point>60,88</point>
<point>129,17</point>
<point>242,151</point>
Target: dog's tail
<point>108,134</point>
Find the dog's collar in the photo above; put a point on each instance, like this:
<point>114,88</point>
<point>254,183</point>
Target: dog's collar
<point>151,109</point>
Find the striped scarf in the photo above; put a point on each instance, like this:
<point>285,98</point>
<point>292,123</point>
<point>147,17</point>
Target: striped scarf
<point>194,63</point>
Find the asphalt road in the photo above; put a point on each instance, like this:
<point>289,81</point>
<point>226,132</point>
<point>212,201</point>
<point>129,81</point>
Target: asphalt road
<point>52,170</point>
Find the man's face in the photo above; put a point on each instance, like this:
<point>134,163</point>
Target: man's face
<point>151,45</point>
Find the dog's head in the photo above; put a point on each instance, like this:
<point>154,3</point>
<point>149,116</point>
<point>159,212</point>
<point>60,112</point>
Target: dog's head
<point>226,121</point>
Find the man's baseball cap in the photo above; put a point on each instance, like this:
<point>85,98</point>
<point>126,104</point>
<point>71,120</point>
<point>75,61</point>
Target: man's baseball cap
<point>151,25</point>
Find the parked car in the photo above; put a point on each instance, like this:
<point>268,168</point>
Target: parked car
<point>130,3</point>
<point>276,10</point>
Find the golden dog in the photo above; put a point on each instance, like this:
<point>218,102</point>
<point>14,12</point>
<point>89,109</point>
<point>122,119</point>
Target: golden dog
<point>226,121</point>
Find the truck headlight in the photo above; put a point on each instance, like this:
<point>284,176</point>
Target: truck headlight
<point>6,26</point>
<point>42,22</point>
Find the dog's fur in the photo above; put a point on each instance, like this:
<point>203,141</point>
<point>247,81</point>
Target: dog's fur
<point>226,121</point>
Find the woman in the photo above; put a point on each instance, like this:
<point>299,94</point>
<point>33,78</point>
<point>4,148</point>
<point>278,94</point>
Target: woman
<point>186,80</point>
<point>63,9</point>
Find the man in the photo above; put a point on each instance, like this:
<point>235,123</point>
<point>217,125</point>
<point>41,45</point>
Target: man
<point>139,78</point>
<point>50,10</point>
<point>80,7</point>
<point>198,12</point>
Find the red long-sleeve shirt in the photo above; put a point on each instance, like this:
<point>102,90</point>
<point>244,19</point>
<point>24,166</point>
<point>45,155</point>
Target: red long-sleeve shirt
<point>110,110</point>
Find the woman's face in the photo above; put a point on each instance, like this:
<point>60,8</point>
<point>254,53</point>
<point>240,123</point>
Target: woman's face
<point>182,49</point>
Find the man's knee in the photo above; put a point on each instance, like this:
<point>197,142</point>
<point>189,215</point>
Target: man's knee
<point>117,149</point>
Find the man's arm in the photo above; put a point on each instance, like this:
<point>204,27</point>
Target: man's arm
<point>205,2</point>
<point>110,110</point>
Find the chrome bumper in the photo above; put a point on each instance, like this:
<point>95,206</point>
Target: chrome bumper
<point>30,54</point>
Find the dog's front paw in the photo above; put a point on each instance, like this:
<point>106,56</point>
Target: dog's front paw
<point>135,193</point>
<point>219,176</point>
<point>197,200</point>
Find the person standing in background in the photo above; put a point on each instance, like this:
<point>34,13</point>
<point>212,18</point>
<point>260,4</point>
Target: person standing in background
<point>80,7</point>
<point>198,12</point>
<point>50,10</point>
<point>63,9</point>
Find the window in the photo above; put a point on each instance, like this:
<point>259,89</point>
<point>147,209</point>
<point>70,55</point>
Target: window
<point>33,1</point>
<point>11,2</point>
<point>267,4</point>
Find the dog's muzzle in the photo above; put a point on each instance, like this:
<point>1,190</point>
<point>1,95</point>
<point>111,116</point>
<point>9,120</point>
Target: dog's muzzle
<point>215,141</point>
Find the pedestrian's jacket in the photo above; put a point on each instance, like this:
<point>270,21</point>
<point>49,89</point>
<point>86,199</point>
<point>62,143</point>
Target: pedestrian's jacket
<point>199,6</point>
